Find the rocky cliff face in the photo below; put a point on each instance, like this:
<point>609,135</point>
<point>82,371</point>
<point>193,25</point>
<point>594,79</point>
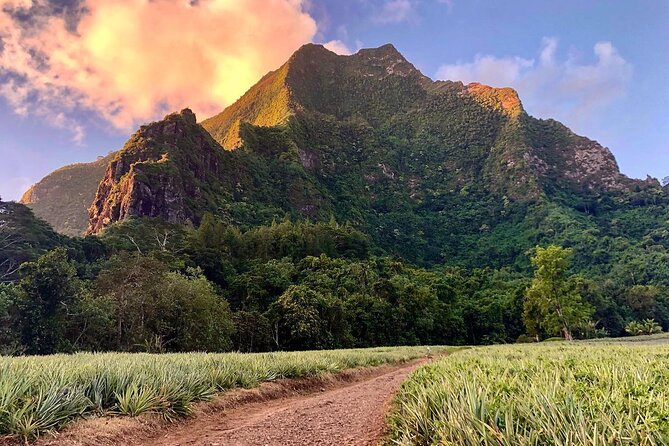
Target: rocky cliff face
<point>368,139</point>
<point>158,173</point>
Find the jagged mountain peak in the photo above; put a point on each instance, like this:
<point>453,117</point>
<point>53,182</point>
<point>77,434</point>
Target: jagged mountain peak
<point>387,49</point>
<point>171,124</point>
<point>315,79</point>
<point>358,136</point>
<point>157,170</point>
<point>383,52</point>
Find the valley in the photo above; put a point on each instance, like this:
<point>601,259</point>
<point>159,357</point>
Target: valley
<point>274,273</point>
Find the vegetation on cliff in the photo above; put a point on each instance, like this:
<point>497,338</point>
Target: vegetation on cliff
<point>363,204</point>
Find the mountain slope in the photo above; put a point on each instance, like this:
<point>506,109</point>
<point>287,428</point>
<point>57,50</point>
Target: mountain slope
<point>62,198</point>
<point>433,171</point>
<point>482,127</point>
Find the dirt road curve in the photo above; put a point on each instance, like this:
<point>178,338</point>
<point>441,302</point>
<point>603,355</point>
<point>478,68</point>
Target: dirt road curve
<point>349,415</point>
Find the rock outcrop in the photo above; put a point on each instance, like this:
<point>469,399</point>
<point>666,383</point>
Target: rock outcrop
<point>368,139</point>
<point>159,173</point>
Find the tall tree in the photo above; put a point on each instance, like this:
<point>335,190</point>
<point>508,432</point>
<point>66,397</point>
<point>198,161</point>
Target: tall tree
<point>552,300</point>
<point>51,289</point>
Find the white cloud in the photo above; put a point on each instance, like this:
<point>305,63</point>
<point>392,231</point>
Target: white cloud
<point>567,89</point>
<point>135,60</point>
<point>498,71</point>
<point>395,11</point>
<point>339,47</point>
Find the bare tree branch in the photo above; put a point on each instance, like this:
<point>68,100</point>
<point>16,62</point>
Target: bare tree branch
<point>8,268</point>
<point>134,243</point>
<point>9,237</point>
<point>162,244</point>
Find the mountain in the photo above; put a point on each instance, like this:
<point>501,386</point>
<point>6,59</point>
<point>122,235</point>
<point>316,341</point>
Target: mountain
<point>482,130</point>
<point>433,171</point>
<point>161,171</point>
<point>63,197</point>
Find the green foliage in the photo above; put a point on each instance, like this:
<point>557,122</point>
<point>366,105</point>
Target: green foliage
<point>645,327</point>
<point>22,239</point>
<point>10,343</point>
<point>304,319</point>
<point>200,319</point>
<point>148,303</point>
<point>135,281</point>
<point>41,394</point>
<point>253,332</point>
<point>553,302</point>
<point>50,290</point>
<point>537,395</point>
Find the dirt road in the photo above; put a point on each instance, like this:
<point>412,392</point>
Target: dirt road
<point>346,408</point>
<point>351,414</point>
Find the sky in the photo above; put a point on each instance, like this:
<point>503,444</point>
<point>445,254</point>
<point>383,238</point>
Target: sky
<point>77,77</point>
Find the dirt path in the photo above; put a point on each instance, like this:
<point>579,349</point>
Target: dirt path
<point>345,408</point>
<point>352,414</point>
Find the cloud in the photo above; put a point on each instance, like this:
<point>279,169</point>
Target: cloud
<point>396,11</point>
<point>135,60</point>
<point>339,47</point>
<point>567,89</point>
<point>486,69</point>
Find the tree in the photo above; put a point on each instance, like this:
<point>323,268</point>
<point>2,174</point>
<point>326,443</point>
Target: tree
<point>648,302</point>
<point>9,237</point>
<point>253,332</point>
<point>552,300</point>
<point>199,319</point>
<point>9,338</point>
<point>132,283</point>
<point>154,308</point>
<point>299,319</point>
<point>50,289</point>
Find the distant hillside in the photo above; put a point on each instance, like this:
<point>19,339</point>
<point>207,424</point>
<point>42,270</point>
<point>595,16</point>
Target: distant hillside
<point>63,197</point>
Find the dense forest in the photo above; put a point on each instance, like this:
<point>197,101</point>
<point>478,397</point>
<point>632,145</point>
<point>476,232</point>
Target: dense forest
<point>147,285</point>
<point>343,201</point>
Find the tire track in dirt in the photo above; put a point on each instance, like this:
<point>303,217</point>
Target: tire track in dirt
<point>352,414</point>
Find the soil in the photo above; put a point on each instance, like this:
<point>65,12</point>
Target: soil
<point>347,408</point>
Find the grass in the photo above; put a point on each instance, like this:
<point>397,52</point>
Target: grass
<point>654,339</point>
<point>531,395</point>
<point>40,394</point>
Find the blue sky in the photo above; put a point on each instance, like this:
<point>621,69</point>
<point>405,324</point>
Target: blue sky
<point>76,93</point>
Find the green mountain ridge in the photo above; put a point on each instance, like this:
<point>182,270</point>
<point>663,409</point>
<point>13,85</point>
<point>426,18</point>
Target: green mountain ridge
<point>433,171</point>
<point>342,201</point>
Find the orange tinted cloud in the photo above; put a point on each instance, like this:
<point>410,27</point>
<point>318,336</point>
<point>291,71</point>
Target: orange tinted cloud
<point>134,60</point>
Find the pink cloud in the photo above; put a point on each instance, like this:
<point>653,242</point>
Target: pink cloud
<point>134,60</point>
